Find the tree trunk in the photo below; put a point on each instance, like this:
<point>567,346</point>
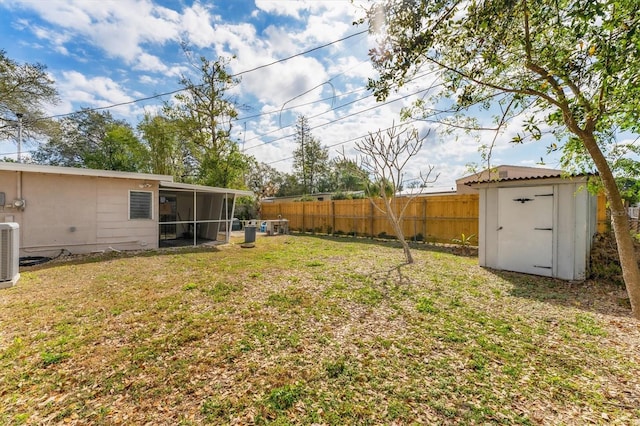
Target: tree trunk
<point>405,245</point>
<point>619,223</point>
<point>397,229</point>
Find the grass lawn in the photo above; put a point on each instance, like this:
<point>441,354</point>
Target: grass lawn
<point>311,330</point>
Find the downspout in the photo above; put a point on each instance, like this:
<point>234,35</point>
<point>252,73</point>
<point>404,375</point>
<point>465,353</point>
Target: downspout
<point>19,185</point>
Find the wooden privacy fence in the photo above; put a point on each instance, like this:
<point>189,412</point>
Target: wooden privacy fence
<point>434,218</point>
<point>438,218</point>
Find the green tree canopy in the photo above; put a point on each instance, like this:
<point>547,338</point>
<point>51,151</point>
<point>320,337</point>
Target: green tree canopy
<point>263,180</point>
<point>310,158</point>
<point>94,140</point>
<point>344,175</point>
<point>573,65</point>
<point>203,115</point>
<point>24,91</point>
<point>167,156</point>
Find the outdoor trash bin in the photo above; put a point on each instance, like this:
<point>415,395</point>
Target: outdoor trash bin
<point>249,234</point>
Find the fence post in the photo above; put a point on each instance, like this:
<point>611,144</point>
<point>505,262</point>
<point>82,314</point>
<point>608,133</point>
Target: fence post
<point>415,220</point>
<point>424,219</point>
<point>333,217</point>
<point>371,219</point>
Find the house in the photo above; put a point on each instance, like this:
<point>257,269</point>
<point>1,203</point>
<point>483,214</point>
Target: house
<point>502,172</point>
<point>84,210</point>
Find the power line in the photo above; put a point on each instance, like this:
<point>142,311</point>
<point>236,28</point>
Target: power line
<point>277,111</point>
<point>302,53</point>
<point>378,105</point>
<point>343,105</point>
<point>344,142</point>
<point>159,95</point>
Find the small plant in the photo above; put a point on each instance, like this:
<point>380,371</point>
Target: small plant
<point>425,306</point>
<point>464,241</point>
<point>190,286</point>
<point>214,409</point>
<point>49,358</point>
<point>284,397</point>
<point>336,368</point>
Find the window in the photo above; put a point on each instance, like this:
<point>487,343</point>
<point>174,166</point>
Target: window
<point>140,205</point>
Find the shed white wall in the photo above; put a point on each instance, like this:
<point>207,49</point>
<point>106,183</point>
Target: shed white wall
<point>574,226</point>
<point>576,220</point>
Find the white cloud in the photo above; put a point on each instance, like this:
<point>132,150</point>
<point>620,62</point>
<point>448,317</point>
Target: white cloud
<point>149,62</point>
<point>280,41</point>
<point>119,28</point>
<point>282,7</point>
<point>196,26</point>
<point>284,81</point>
<point>93,92</point>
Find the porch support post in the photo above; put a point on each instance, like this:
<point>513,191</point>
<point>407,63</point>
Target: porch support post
<point>233,212</point>
<point>195,212</point>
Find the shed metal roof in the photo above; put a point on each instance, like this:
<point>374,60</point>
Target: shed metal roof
<point>528,178</point>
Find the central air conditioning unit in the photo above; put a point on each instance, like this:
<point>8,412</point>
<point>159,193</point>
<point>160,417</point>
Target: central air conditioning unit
<point>9,254</point>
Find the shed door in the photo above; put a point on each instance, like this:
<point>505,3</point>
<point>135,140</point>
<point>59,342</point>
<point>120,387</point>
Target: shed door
<point>525,230</point>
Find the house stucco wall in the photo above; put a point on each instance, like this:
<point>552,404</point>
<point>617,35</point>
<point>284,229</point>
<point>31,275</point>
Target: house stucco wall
<point>79,213</point>
<point>113,224</point>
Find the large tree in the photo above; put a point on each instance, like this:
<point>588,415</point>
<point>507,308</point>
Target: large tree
<point>571,64</point>
<point>94,140</point>
<point>25,89</point>
<point>264,180</point>
<point>203,114</point>
<point>167,156</point>
<point>344,175</point>
<point>310,158</point>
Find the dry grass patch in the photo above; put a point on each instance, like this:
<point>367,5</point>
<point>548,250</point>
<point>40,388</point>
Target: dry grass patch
<point>308,330</point>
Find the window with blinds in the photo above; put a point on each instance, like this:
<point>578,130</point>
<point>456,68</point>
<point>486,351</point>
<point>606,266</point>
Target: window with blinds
<point>140,205</point>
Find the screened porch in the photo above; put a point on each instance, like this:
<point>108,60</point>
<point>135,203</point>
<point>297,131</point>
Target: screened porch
<point>195,214</point>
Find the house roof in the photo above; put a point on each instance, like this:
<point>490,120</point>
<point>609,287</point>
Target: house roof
<point>202,188</point>
<point>76,171</point>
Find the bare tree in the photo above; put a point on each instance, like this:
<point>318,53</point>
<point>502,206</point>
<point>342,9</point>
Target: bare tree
<point>384,155</point>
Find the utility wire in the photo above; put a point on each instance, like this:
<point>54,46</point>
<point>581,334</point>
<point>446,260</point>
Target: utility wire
<point>378,105</point>
<point>346,104</point>
<point>159,95</point>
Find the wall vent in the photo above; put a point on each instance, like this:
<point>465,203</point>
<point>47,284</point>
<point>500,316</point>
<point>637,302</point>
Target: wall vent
<point>9,254</point>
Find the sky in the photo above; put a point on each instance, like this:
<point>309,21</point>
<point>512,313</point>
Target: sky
<point>293,57</point>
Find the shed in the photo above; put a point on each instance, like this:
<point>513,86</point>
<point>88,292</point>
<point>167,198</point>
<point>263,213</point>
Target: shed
<point>542,225</point>
<point>85,210</point>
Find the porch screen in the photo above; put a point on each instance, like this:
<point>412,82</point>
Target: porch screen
<point>140,205</point>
